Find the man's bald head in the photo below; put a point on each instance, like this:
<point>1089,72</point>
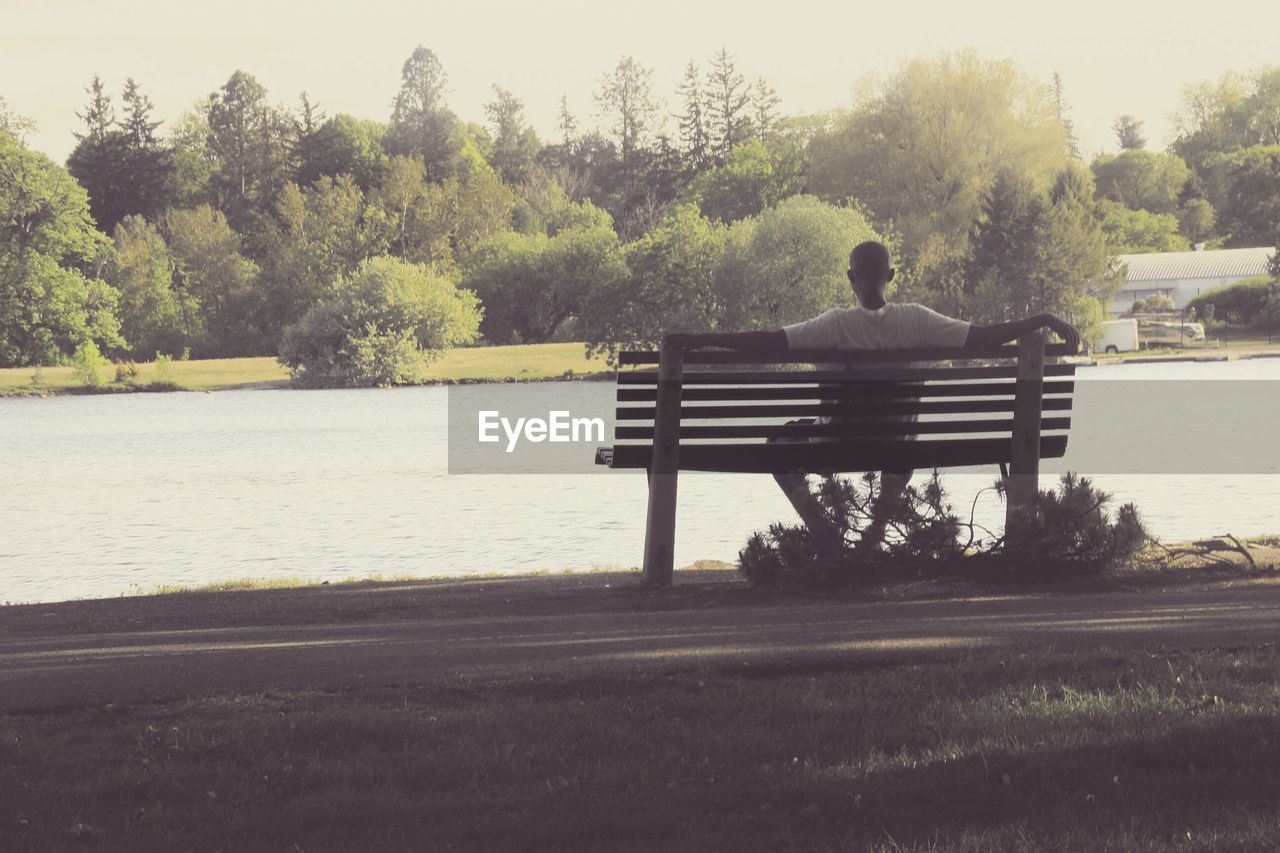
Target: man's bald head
<point>869,255</point>
<point>870,272</point>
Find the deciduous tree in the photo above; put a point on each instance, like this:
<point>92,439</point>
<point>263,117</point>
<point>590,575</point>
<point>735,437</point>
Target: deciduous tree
<point>1249,214</point>
<point>154,317</point>
<point>382,327</point>
<point>342,145</point>
<point>532,284</point>
<point>52,297</point>
<point>671,286</point>
<point>1133,231</point>
<point>207,264</point>
<point>787,264</point>
<point>627,104</point>
<point>750,180</point>
<point>921,148</point>
<point>1141,180</point>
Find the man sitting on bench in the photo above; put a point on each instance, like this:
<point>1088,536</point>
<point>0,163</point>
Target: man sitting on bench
<point>873,324</point>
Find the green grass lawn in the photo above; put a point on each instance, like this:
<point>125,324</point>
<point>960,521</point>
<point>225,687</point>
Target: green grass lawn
<point>526,362</point>
<point>212,374</point>
<point>992,751</point>
<point>523,362</point>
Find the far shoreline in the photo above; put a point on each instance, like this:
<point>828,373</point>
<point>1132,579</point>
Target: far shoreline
<point>565,361</point>
<point>521,363</point>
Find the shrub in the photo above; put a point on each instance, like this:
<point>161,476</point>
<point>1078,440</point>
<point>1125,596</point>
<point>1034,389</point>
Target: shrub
<point>1068,532</point>
<point>1154,304</point>
<point>1271,311</point>
<point>382,327</point>
<point>126,371</point>
<point>922,533</point>
<point>164,370</point>
<point>386,358</point>
<point>1244,302</point>
<point>88,363</point>
<point>1064,532</point>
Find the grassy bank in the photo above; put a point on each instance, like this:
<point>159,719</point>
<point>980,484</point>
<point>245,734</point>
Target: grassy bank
<point>1104,750</point>
<point>214,374</point>
<point>496,364</point>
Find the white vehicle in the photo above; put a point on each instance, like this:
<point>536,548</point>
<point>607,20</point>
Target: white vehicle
<point>1118,336</point>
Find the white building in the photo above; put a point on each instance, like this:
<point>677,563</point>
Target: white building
<point>1184,275</point>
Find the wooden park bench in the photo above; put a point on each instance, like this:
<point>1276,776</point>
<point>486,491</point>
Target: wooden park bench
<point>709,410</point>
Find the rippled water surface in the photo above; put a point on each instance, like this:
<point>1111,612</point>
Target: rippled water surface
<point>106,494</point>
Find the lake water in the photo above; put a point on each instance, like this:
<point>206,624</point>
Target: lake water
<point>103,495</point>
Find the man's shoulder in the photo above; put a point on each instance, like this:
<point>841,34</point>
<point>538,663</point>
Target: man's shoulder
<point>910,306</point>
<point>920,309</point>
<point>829,314</point>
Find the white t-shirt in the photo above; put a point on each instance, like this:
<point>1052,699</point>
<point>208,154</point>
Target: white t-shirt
<point>896,325</point>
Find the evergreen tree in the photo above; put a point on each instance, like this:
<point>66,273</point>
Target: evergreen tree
<point>1061,108</point>
<point>251,141</point>
<point>764,105</point>
<point>728,100</point>
<point>310,116</point>
<point>422,126</point>
<point>125,169</point>
<point>514,143</point>
<point>566,123</point>
<point>1129,133</point>
<point>137,121</point>
<point>423,83</point>
<point>1032,253</point>
<point>1001,271</point>
<point>692,122</point>
<point>98,116</point>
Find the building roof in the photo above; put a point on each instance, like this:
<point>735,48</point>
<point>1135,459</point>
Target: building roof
<point>1214,263</point>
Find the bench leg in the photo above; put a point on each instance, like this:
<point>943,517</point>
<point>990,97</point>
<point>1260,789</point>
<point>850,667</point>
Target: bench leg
<point>664,468</point>
<point>1023,483</point>
<point>660,530</point>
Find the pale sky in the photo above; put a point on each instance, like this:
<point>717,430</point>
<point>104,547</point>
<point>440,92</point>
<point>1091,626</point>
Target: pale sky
<point>1115,57</point>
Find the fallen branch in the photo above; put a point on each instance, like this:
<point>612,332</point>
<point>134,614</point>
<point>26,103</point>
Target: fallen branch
<point>1243,550</point>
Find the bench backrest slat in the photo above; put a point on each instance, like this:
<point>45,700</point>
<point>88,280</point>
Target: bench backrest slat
<point>850,432</point>
<point>855,377</point>
<point>1007,351</point>
<point>641,394</point>
<point>838,457</point>
<point>809,410</point>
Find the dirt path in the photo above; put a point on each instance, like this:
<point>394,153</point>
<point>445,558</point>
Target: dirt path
<point>170,647</point>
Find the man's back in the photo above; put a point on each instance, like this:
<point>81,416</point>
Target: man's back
<point>892,326</point>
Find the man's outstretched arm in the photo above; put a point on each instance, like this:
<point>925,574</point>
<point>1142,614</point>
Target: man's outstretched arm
<point>762,342</point>
<point>986,337</point>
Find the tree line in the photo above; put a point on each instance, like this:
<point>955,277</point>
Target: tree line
<point>249,228</point>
